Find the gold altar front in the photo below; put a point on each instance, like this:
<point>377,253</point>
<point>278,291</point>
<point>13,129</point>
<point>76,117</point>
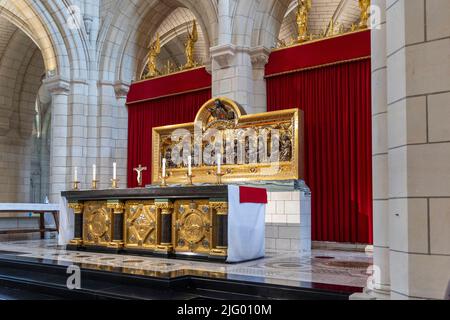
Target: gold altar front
<point>190,226</point>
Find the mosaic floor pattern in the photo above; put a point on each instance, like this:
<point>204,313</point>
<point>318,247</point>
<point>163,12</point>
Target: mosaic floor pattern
<point>282,268</point>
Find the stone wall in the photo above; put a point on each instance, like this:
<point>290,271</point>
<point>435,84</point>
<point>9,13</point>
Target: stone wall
<point>288,221</point>
<point>411,103</point>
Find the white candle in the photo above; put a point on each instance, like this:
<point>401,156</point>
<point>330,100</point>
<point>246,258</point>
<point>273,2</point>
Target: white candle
<point>115,171</point>
<point>219,163</point>
<point>94,172</point>
<point>190,165</point>
<point>164,167</point>
<point>75,175</point>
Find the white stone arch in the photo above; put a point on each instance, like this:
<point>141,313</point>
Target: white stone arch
<point>64,50</point>
<point>268,20</point>
<point>125,36</point>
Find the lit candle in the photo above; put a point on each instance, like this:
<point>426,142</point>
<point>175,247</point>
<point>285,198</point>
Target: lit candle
<point>219,163</point>
<point>94,172</point>
<point>164,167</point>
<point>75,175</point>
<point>190,165</point>
<point>115,171</point>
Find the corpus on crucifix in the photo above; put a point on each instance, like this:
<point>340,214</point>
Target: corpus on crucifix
<point>139,171</point>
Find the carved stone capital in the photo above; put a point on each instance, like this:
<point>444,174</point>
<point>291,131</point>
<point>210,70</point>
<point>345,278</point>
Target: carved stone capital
<point>223,54</point>
<point>121,89</point>
<point>57,85</point>
<point>259,56</point>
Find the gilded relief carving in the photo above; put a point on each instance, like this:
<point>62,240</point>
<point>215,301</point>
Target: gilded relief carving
<point>97,228</point>
<point>141,225</point>
<point>266,146</point>
<point>193,226</point>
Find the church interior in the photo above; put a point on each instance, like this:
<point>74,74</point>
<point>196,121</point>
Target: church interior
<point>225,149</point>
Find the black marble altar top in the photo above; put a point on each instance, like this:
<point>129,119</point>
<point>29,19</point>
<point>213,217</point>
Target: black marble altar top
<point>195,192</point>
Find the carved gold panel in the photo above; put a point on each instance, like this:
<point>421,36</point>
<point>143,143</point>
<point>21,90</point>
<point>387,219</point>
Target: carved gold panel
<point>141,225</point>
<point>97,224</point>
<point>266,146</point>
<point>192,230</point>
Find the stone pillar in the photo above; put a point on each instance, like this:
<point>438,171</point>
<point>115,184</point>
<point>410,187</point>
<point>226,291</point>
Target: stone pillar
<point>380,284</point>
<point>60,164</point>
<point>260,57</point>
<point>418,82</point>
<point>238,74</point>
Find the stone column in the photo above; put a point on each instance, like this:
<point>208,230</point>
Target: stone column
<point>380,284</point>
<point>60,164</point>
<point>260,57</point>
<point>418,82</point>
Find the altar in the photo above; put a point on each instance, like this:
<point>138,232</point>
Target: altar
<point>209,222</point>
<point>202,202</point>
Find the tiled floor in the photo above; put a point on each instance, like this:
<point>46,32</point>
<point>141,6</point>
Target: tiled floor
<point>281,268</point>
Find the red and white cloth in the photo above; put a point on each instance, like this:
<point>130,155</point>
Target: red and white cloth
<point>246,223</point>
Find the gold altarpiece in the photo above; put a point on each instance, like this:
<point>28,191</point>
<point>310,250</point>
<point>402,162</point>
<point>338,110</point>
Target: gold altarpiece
<point>250,162</point>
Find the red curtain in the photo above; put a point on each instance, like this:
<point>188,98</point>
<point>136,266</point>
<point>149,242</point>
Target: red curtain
<point>143,117</point>
<point>336,101</point>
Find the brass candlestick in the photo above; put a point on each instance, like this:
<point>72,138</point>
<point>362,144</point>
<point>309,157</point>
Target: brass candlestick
<point>115,183</point>
<point>219,178</point>
<point>189,178</point>
<point>94,184</point>
<point>76,185</point>
<point>164,181</point>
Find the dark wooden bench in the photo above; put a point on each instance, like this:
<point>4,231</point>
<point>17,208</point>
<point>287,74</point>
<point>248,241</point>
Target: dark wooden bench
<point>40,209</point>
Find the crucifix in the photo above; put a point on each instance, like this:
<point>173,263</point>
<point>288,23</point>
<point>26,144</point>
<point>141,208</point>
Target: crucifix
<point>139,171</point>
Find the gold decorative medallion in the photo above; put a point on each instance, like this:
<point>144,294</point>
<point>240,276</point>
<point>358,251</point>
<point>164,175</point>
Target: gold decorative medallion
<point>193,226</point>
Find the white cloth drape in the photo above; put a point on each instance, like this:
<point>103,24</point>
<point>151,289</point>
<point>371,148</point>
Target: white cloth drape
<point>246,228</point>
<point>66,223</point>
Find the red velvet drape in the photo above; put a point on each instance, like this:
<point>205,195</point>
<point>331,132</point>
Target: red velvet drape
<point>336,101</point>
<point>144,116</point>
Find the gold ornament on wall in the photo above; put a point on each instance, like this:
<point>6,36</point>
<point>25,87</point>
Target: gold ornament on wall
<point>154,51</point>
<point>303,8</point>
<point>364,16</point>
<point>190,46</point>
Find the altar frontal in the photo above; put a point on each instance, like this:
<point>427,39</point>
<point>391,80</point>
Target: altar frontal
<point>198,205</point>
